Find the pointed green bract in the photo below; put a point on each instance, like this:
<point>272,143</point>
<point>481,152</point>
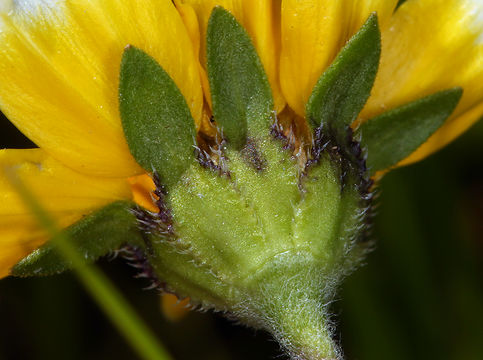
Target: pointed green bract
<point>394,135</point>
<point>241,95</point>
<point>94,236</point>
<point>157,122</point>
<point>345,86</point>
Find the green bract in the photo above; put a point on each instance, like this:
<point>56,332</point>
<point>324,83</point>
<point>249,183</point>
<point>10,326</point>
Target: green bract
<point>255,224</point>
<point>94,236</point>
<point>241,95</point>
<point>156,120</point>
<point>345,86</point>
<point>394,135</point>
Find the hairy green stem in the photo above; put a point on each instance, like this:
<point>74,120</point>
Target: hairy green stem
<point>292,302</point>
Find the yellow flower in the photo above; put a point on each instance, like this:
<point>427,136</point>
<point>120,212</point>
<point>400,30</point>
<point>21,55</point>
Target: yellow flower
<point>59,65</point>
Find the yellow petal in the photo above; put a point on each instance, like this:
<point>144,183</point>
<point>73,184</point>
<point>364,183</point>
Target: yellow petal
<point>261,19</point>
<point>173,308</point>
<point>142,188</point>
<point>313,32</point>
<point>66,194</point>
<point>430,45</point>
<point>20,235</point>
<point>360,10</point>
<point>60,68</point>
<point>190,20</point>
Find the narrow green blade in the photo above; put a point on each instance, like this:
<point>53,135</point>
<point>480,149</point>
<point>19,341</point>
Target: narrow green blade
<point>156,119</point>
<point>94,236</point>
<point>394,135</point>
<point>343,89</point>
<point>241,95</point>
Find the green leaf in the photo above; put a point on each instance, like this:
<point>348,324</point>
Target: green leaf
<point>241,95</point>
<point>345,86</point>
<point>94,236</point>
<point>156,119</point>
<point>394,135</point>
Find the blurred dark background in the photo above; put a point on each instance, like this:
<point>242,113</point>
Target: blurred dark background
<point>420,295</point>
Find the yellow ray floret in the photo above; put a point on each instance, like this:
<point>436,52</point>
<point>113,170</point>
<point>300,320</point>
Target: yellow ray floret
<point>173,308</point>
<point>60,67</point>
<point>66,194</point>
<point>312,34</point>
<point>261,19</point>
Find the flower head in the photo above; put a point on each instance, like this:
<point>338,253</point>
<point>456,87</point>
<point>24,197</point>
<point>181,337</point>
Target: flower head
<point>60,63</point>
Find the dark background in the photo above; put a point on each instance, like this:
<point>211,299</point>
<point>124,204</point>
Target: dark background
<point>420,296</point>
